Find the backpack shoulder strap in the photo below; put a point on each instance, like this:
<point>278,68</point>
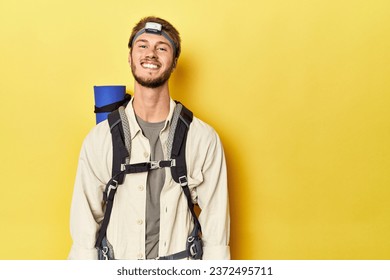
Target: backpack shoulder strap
<point>120,134</point>
<point>121,152</point>
<point>181,125</point>
<point>179,172</point>
<point>178,152</point>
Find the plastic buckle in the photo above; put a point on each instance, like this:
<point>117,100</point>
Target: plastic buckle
<point>104,252</point>
<point>194,247</point>
<point>157,164</point>
<point>112,187</point>
<point>154,165</point>
<point>193,250</point>
<point>183,181</point>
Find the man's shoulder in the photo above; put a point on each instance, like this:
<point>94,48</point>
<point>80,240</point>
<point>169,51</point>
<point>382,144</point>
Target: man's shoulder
<point>98,135</point>
<point>201,126</point>
<point>202,131</point>
<point>203,143</point>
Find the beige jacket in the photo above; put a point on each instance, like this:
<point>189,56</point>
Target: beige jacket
<point>126,231</point>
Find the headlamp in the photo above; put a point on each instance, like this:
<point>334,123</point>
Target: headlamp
<point>154,28</point>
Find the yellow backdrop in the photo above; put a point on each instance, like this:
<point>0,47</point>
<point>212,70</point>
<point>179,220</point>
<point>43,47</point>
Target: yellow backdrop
<point>299,92</point>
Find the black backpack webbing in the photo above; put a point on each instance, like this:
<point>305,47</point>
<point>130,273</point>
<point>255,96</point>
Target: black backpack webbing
<point>179,174</point>
<point>119,157</point>
<point>113,106</point>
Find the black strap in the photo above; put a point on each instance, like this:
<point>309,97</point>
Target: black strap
<point>119,150</point>
<point>113,106</point>
<point>179,144</point>
<point>197,227</point>
<point>119,157</point>
<point>177,256</point>
<point>112,187</point>
<point>179,172</point>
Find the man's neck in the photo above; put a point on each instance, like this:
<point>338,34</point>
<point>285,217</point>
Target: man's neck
<point>151,104</point>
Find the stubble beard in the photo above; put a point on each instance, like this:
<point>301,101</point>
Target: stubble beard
<point>152,82</point>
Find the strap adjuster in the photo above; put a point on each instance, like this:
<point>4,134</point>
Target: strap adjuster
<point>161,164</point>
<point>154,165</point>
<point>194,247</point>
<point>113,186</point>
<point>183,181</point>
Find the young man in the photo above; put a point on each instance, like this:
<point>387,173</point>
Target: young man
<point>150,217</point>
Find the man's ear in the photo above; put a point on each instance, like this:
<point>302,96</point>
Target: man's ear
<point>129,58</point>
<point>174,64</point>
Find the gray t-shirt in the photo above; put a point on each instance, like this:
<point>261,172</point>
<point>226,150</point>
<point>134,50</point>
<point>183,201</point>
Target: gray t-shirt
<point>154,185</point>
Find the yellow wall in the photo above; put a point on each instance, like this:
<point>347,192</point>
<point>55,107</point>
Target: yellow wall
<point>299,92</point>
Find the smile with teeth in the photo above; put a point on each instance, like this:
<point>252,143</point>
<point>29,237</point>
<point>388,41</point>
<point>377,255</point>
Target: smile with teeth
<point>150,66</point>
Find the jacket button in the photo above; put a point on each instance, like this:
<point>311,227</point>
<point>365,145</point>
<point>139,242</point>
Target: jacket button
<point>140,256</point>
<point>146,154</point>
<point>141,188</point>
<point>140,222</point>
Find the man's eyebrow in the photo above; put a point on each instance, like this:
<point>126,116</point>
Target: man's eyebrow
<point>157,43</point>
<point>141,40</point>
<point>165,43</point>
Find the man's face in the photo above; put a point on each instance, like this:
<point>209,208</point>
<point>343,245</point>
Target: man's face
<point>151,60</point>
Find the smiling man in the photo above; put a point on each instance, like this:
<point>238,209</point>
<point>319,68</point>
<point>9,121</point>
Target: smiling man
<point>152,213</point>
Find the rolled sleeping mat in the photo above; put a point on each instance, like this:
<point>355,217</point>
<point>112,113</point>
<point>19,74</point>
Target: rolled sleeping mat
<point>108,99</point>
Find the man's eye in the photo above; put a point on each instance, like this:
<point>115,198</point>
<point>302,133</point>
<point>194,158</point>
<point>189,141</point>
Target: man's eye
<point>142,46</point>
<point>162,49</point>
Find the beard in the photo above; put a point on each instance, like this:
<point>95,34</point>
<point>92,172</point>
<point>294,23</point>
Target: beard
<point>152,82</point>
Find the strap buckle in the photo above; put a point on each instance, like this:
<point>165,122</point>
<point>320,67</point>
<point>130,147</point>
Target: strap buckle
<point>173,162</point>
<point>105,252</point>
<point>194,247</point>
<point>113,186</point>
<point>183,181</point>
<point>162,163</point>
<point>154,165</point>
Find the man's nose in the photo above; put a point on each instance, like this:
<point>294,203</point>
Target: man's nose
<point>151,53</point>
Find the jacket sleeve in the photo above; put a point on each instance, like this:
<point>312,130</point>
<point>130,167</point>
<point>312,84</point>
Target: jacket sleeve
<point>86,208</point>
<point>214,203</point>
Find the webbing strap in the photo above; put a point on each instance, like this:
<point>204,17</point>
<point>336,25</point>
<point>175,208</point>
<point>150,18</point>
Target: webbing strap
<point>126,131</point>
<point>112,186</point>
<point>197,227</point>
<point>177,256</point>
<point>107,213</point>
<point>120,153</point>
<point>179,172</point>
<point>174,120</point>
<point>179,144</point>
<point>147,166</point>
<point>113,106</point>
<point>119,150</point>
<point>137,168</point>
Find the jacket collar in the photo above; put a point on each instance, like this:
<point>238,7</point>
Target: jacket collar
<point>134,126</point>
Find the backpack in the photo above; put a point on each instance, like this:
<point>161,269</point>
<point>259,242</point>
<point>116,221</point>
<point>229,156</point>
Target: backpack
<point>121,141</point>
